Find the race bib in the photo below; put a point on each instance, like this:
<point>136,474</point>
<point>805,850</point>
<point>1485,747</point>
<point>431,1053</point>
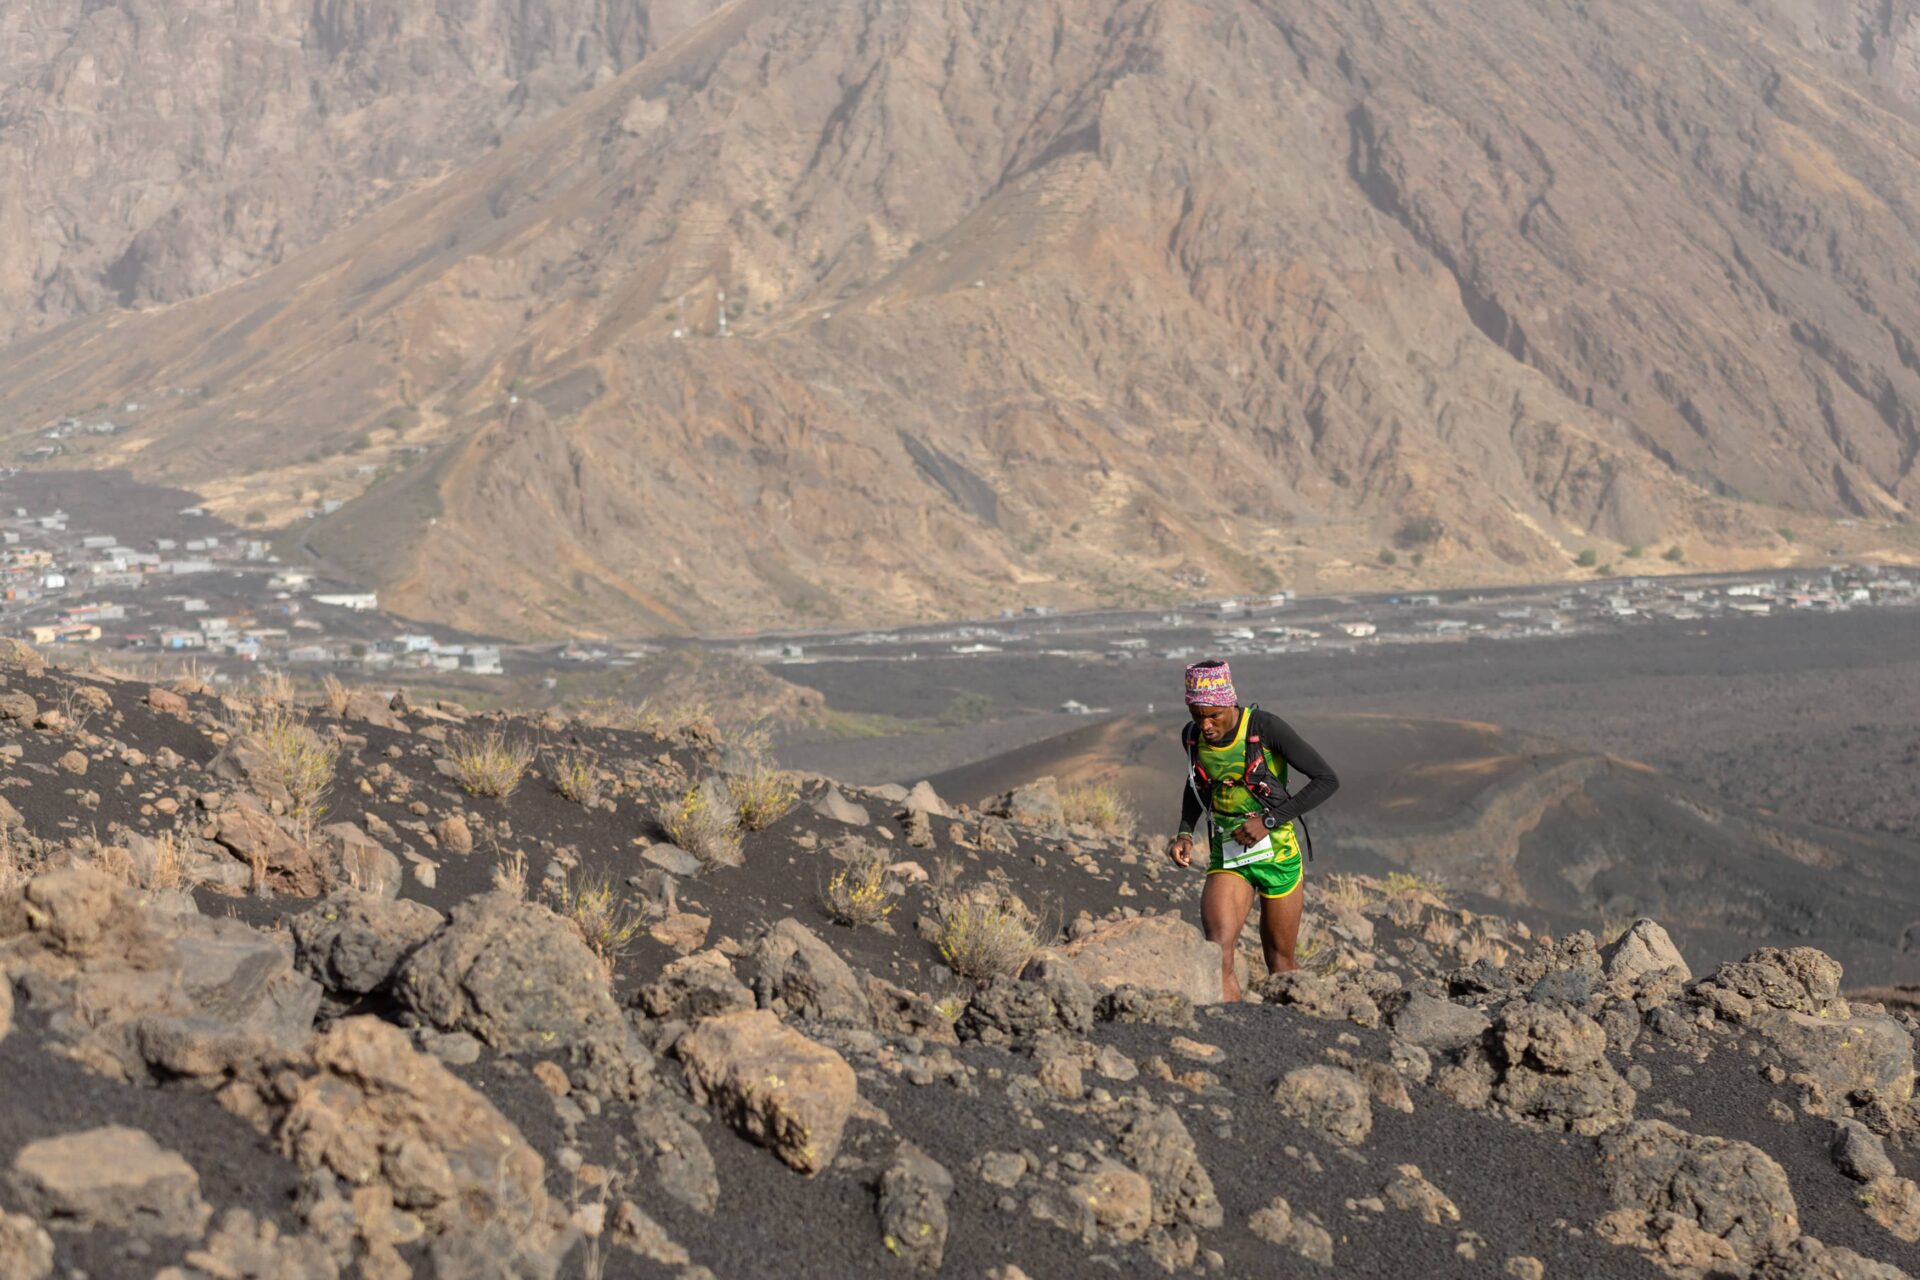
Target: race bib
<point>1232,855</point>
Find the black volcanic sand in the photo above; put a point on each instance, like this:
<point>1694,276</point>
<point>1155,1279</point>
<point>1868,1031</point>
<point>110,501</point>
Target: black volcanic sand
<point>1561,836</point>
<point>1814,715</point>
<point>1522,1190</point>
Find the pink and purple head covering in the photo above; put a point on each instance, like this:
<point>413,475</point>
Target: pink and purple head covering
<point>1210,684</point>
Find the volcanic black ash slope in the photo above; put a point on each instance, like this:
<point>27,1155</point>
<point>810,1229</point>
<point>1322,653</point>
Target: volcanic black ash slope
<point>243,1036</point>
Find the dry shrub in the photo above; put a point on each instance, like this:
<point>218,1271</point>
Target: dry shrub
<point>302,763</point>
<point>1099,805</point>
<point>762,795</point>
<point>1478,946</point>
<point>575,776</point>
<point>861,891</point>
<point>333,695</point>
<point>702,822</point>
<point>273,688</point>
<point>983,936</point>
<point>670,715</point>
<point>1440,932</point>
<point>510,872</point>
<point>593,908</point>
<point>490,763</point>
<point>76,710</point>
<point>1405,912</point>
<point>1405,884</point>
<point>1347,890</point>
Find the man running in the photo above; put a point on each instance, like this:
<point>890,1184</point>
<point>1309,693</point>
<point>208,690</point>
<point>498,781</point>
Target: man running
<point>1238,759</point>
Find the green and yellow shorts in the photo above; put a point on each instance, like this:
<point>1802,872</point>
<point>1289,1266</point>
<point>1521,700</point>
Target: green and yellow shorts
<point>1272,875</point>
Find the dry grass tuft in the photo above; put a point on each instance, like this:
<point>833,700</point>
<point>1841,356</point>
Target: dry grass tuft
<point>666,716</point>
<point>302,763</point>
<point>273,688</point>
<point>1099,805</point>
<point>333,695</point>
<point>1347,890</point>
<point>510,872</point>
<point>861,891</point>
<point>608,928</point>
<point>985,936</point>
<point>703,823</point>
<point>575,776</point>
<point>762,795</point>
<point>490,763</point>
<point>1478,946</point>
<point>1440,932</point>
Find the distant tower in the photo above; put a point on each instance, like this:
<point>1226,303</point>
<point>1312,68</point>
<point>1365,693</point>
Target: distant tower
<point>720,326</point>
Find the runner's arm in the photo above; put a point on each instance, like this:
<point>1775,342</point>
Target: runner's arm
<point>1301,758</point>
<point>1189,810</point>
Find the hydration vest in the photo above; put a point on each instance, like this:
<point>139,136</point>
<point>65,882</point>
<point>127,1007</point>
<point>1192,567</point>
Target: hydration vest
<point>1255,776</point>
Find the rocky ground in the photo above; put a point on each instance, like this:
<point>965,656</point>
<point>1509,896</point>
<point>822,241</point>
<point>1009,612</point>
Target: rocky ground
<point>289,997</point>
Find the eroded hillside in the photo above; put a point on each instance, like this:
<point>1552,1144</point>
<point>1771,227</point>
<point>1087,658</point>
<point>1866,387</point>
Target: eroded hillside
<point>849,311</point>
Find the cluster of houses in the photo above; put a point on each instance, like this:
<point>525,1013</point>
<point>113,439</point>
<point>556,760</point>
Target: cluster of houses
<point>217,594</point>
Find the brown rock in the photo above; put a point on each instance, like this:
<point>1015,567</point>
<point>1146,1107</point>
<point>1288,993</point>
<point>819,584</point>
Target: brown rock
<point>166,702</point>
<point>73,761</point>
<point>377,1111</point>
<point>113,1177</point>
<point>683,931</point>
<point>26,1250</point>
<point>1154,953</point>
<point>254,838</point>
<point>1894,1203</point>
<point>453,834</point>
<point>1409,1190</point>
<point>774,1085</point>
<point>1327,1100</point>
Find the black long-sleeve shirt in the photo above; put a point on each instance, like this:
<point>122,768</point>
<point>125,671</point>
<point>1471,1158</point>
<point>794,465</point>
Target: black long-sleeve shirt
<point>1300,758</point>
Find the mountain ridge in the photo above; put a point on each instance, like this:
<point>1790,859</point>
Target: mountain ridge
<point>1007,292</point>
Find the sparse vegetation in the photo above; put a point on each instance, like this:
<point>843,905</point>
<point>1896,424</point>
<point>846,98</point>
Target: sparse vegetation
<point>1417,532</point>
<point>1347,890</point>
<point>608,927</point>
<point>1389,557</point>
<point>669,716</point>
<point>510,872</point>
<point>702,822</point>
<point>1587,558</point>
<point>987,935</point>
<point>1634,552</point>
<point>333,695</point>
<point>303,764</point>
<point>861,891</point>
<point>575,776</point>
<point>966,708</point>
<point>490,763</point>
<point>1674,554</point>
<point>1099,805</point>
<point>1478,946</point>
<point>1786,534</point>
<point>762,795</point>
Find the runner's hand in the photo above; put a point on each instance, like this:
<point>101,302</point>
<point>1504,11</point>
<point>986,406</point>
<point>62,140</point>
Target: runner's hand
<point>1180,851</point>
<point>1252,833</point>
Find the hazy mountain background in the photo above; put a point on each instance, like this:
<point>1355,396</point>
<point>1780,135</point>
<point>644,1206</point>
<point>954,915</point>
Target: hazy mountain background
<point>1024,300</point>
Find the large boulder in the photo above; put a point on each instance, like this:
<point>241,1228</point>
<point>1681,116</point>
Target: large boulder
<point>1551,1066</point>
<point>1795,980</point>
<point>1697,1203</point>
<point>1808,1259</point>
<point>912,1203</point>
<point>778,1088</point>
<point>1643,950</point>
<point>378,1112</point>
<point>1051,996</point>
<point>514,974</point>
<point>695,987</point>
<point>1156,953</point>
<point>1435,1024</point>
<point>112,1177</point>
<point>26,1250</point>
<point>353,943</point>
<point>1037,804</point>
<point>1326,1100</point>
<point>286,866</point>
<point>1848,1057</point>
<point>814,983</point>
<point>181,993</point>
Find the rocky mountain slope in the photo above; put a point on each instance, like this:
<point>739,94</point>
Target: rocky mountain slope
<point>1004,289</point>
<point>258,1039</point>
<point>156,152</point>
